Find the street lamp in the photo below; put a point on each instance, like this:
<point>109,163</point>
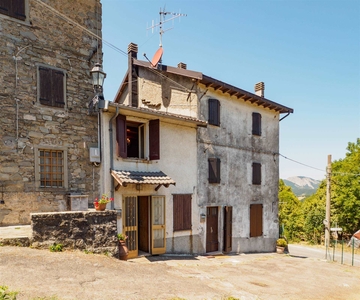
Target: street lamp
<point>98,77</point>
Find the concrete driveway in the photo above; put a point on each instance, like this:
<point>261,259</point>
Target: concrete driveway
<point>76,275</point>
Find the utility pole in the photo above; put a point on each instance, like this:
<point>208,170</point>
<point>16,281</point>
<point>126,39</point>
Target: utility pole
<point>328,201</point>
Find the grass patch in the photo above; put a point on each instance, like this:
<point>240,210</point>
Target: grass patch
<point>56,248</point>
<point>5,294</point>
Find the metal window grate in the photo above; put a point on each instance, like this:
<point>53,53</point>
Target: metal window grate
<point>51,168</point>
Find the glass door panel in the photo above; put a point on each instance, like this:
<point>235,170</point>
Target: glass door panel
<point>158,225</point>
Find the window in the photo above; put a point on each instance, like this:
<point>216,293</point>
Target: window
<point>256,124</point>
<point>132,141</point>
<point>256,212</point>
<point>256,173</point>
<point>214,170</point>
<point>51,166</point>
<point>51,86</point>
<point>182,212</point>
<point>13,8</point>
<point>214,112</point>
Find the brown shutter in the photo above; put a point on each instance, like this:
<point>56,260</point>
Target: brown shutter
<point>214,112</point>
<point>214,170</point>
<point>182,212</point>
<point>154,139</point>
<point>45,86</point>
<point>18,9</point>
<point>5,7</point>
<point>256,212</point>
<point>256,171</point>
<point>227,229</point>
<point>121,136</point>
<point>58,88</point>
<point>256,124</point>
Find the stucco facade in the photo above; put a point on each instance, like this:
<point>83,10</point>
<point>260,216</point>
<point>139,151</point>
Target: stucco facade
<point>230,166</point>
<point>46,86</point>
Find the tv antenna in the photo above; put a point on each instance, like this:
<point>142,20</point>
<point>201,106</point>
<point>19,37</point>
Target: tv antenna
<point>163,20</point>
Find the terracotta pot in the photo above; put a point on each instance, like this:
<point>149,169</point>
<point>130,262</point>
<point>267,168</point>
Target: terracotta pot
<point>123,250</point>
<point>280,249</point>
<point>99,206</point>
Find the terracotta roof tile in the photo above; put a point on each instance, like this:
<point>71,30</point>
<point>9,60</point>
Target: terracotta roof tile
<point>136,177</point>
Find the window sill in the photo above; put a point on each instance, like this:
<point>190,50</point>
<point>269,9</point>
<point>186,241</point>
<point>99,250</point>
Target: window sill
<point>137,160</point>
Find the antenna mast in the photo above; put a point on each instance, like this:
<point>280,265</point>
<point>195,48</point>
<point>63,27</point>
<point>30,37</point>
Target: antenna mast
<point>163,20</point>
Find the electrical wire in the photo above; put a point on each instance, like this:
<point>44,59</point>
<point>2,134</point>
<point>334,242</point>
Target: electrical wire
<point>300,163</point>
<point>340,173</point>
<point>62,16</point>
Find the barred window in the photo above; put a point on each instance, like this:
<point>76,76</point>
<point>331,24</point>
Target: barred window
<point>51,164</point>
<point>51,167</point>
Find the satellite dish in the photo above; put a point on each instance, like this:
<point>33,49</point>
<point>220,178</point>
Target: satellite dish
<point>157,56</point>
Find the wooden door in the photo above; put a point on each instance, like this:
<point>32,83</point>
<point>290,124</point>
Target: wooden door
<point>158,245</point>
<point>212,243</point>
<point>130,222</point>
<point>227,229</point>
<point>144,232</point>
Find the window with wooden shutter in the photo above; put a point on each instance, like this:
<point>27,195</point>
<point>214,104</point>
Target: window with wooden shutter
<point>256,124</point>
<point>154,139</point>
<point>121,136</point>
<point>214,170</point>
<point>51,87</point>
<point>256,220</point>
<point>182,212</point>
<point>13,8</point>
<point>214,112</point>
<point>256,173</point>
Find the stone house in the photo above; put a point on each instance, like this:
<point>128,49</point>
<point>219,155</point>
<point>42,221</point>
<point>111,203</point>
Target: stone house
<point>47,52</point>
<point>193,161</point>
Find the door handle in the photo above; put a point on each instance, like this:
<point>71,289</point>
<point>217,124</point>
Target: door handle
<point>211,230</point>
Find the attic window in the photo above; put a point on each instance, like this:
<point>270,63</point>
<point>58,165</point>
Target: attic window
<point>214,112</point>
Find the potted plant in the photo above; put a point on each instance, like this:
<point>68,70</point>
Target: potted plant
<point>123,249</point>
<point>100,204</point>
<point>281,245</point>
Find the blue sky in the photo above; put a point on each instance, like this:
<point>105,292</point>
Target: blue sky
<point>306,52</point>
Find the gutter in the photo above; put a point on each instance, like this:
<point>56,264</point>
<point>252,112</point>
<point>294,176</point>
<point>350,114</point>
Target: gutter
<point>112,154</point>
<point>285,116</point>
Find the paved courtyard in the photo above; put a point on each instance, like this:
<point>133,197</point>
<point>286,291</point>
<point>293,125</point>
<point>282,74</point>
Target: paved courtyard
<point>76,275</point>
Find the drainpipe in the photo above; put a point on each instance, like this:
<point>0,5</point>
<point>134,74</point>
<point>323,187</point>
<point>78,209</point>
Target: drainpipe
<point>284,116</point>
<point>112,154</point>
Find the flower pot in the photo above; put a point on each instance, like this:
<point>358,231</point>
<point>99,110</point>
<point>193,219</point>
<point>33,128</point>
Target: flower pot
<point>280,249</point>
<point>123,250</point>
<point>99,206</point>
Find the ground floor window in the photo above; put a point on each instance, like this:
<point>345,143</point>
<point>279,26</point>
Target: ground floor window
<point>182,211</point>
<point>51,166</point>
<point>256,220</point>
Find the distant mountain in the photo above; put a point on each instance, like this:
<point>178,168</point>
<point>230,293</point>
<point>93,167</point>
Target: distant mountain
<point>302,186</point>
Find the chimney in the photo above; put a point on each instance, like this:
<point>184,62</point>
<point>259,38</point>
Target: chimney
<point>181,65</point>
<point>132,50</point>
<point>259,89</point>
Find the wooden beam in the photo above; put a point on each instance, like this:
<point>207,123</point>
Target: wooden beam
<point>156,189</point>
<point>117,187</point>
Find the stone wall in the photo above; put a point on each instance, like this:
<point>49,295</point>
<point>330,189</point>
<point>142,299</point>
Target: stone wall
<point>46,39</point>
<point>89,230</point>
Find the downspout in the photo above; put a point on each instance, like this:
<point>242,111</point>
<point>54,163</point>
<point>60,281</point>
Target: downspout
<point>284,116</point>
<point>112,193</point>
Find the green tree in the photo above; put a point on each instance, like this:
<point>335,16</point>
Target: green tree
<point>345,190</point>
<point>313,214</point>
<point>289,212</point>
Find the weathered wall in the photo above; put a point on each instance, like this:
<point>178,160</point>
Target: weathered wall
<point>237,149</point>
<point>178,159</point>
<point>170,95</point>
<point>91,231</point>
<point>25,124</point>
